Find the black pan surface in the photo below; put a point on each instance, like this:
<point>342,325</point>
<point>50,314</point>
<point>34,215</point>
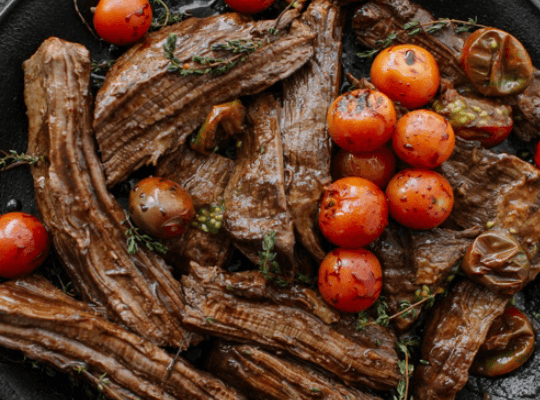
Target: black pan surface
<point>24,24</point>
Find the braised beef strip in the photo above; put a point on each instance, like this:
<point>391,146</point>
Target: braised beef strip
<point>455,332</point>
<point>144,111</point>
<point>306,143</point>
<point>352,356</point>
<point>255,202</point>
<point>83,218</point>
<point>265,376</point>
<point>204,178</point>
<point>49,326</point>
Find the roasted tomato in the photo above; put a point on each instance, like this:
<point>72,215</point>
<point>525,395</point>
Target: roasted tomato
<point>350,280</point>
<point>509,344</point>
<point>406,73</point>
<point>361,120</point>
<point>419,199</point>
<point>24,244</point>
<point>249,6</point>
<point>496,62</point>
<point>122,22</point>
<point>353,212</point>
<point>423,139</point>
<point>537,155</point>
<point>377,166</point>
<point>161,207</point>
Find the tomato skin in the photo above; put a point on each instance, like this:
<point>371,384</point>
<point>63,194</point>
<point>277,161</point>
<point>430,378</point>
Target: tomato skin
<point>423,139</point>
<point>350,280</point>
<point>361,120</point>
<point>377,166</point>
<point>537,155</point>
<point>353,212</point>
<point>406,73</point>
<point>419,199</point>
<point>122,22</point>
<point>24,244</point>
<point>161,207</point>
<point>249,6</point>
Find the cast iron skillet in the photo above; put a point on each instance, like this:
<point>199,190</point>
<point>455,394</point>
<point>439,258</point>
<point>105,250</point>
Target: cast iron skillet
<point>24,24</point>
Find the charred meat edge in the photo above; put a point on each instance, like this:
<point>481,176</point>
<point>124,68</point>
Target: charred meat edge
<point>306,143</point>
<point>144,111</point>
<point>352,356</point>
<point>49,326</point>
<point>83,218</point>
<point>265,376</point>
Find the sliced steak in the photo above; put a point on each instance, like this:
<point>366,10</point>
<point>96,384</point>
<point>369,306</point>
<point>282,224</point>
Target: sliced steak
<point>360,358</point>
<point>265,376</point>
<point>455,332</point>
<point>144,111</point>
<point>205,179</point>
<point>306,143</point>
<point>255,202</point>
<point>49,326</point>
<point>83,218</point>
<point>412,259</point>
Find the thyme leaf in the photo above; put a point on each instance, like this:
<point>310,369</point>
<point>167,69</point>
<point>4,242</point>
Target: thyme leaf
<point>136,237</point>
<point>268,265</point>
<point>166,17</point>
<point>12,159</point>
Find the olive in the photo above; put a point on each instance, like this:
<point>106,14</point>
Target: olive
<point>161,207</point>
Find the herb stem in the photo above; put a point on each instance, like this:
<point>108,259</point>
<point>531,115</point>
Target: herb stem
<point>406,375</point>
<point>167,12</point>
<point>86,24</point>
<point>409,308</point>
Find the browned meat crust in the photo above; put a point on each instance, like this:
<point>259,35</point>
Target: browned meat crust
<point>83,218</point>
<point>456,330</point>
<point>306,143</point>
<point>352,356</point>
<point>143,111</point>
<point>49,326</point>
<point>255,201</point>
<point>265,376</point>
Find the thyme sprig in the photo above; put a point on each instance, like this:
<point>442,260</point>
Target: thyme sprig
<point>12,159</point>
<point>166,18</point>
<point>405,368</point>
<point>135,236</point>
<point>414,27</point>
<point>268,266</point>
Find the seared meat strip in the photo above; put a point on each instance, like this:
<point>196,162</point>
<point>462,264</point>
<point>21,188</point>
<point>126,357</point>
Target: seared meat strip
<point>306,143</point>
<point>455,332</point>
<point>352,356</point>
<point>264,376</point>
<point>144,111</point>
<point>83,218</point>
<point>255,201</point>
<point>412,259</point>
<point>205,179</point>
<point>49,326</point>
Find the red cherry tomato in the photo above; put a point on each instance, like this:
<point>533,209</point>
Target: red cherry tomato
<point>537,155</point>
<point>353,212</point>
<point>406,73</point>
<point>377,166</point>
<point>423,139</point>
<point>249,6</point>
<point>122,22</point>
<point>361,120</point>
<point>419,199</point>
<point>350,280</point>
<point>24,244</point>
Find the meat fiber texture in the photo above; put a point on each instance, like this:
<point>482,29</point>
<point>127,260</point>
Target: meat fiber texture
<point>144,111</point>
<point>49,326</point>
<point>82,217</point>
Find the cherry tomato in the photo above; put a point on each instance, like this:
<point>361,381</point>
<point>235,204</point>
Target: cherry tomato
<point>419,199</point>
<point>406,73</point>
<point>122,22</point>
<point>249,6</point>
<point>377,166</point>
<point>423,139</point>
<point>537,154</point>
<point>496,62</point>
<point>361,120</point>
<point>350,280</point>
<point>24,244</point>
<point>353,212</point>
<point>509,344</point>
<point>161,207</point>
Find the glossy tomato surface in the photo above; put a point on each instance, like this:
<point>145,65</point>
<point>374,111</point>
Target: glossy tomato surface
<point>249,6</point>
<point>24,244</point>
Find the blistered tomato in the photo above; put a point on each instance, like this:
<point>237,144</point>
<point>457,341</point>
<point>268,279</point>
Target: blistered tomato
<point>249,6</point>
